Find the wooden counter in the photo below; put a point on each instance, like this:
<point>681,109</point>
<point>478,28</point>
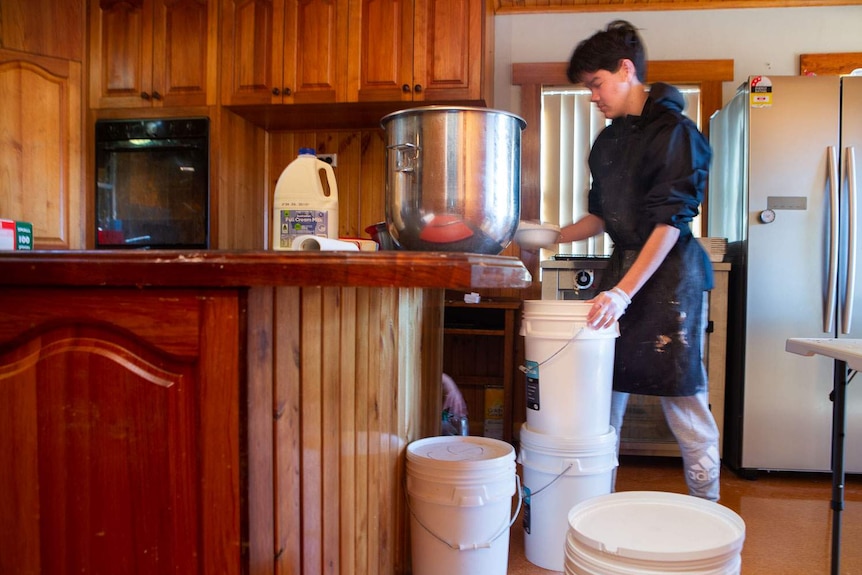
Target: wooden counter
<point>218,412</point>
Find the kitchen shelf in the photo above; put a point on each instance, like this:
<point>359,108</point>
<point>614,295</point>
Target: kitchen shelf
<point>479,355</point>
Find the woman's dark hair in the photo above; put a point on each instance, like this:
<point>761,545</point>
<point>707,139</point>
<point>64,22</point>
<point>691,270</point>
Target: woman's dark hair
<point>605,51</point>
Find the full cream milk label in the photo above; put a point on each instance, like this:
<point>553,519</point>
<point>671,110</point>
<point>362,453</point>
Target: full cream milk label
<point>294,223</point>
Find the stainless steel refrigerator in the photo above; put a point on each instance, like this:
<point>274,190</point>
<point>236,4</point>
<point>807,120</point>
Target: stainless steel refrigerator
<point>782,190</point>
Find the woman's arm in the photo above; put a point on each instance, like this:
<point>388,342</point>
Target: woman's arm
<point>655,250</point>
<point>609,305</point>
<point>588,226</point>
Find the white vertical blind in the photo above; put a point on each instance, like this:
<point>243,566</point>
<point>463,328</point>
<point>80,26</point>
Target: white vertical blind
<point>570,124</point>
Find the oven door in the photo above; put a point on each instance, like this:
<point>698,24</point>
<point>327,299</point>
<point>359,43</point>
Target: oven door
<point>152,193</point>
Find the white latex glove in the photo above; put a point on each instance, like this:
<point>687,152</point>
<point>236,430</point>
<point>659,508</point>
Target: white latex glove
<point>608,307</point>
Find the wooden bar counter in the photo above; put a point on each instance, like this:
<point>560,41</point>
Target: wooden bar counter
<point>218,412</point>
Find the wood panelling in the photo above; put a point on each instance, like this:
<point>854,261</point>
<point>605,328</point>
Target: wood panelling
<point>539,6</point>
<point>44,27</point>
<point>238,200</point>
<point>342,423</point>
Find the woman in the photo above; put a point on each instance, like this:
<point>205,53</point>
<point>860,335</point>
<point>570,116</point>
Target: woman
<point>649,170</point>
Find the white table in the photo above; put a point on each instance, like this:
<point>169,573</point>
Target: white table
<point>846,353</point>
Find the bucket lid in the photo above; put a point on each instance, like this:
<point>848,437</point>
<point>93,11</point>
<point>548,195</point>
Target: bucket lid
<point>568,444</point>
<point>460,450</point>
<point>656,526</point>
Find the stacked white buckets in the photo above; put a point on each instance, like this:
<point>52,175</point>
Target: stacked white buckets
<point>568,448</point>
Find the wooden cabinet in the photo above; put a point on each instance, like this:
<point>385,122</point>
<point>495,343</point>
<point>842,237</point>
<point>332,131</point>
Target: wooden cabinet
<point>284,51</point>
<point>119,413</point>
<point>230,413</point>
<point>153,53</point>
<point>44,27</point>
<point>40,150</point>
<point>349,51</point>
<point>420,50</point>
<point>478,353</point>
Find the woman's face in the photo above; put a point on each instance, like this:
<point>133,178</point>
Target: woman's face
<point>610,91</point>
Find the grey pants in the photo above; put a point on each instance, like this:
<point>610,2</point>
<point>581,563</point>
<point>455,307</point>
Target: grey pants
<point>693,426</point>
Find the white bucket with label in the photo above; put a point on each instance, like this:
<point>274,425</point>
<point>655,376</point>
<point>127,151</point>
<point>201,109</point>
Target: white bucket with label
<point>459,490</point>
<point>653,533</point>
<point>558,473</point>
<point>569,368</point>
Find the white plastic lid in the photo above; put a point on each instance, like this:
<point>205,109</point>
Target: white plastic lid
<point>656,526</point>
<point>460,449</point>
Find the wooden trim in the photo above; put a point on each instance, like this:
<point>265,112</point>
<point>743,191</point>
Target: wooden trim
<point>671,71</point>
<point>829,64</point>
<point>561,6</point>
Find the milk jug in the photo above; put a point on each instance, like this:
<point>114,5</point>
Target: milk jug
<point>305,202</point>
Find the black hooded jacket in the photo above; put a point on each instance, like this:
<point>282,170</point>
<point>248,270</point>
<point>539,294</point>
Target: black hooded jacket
<point>648,170</point>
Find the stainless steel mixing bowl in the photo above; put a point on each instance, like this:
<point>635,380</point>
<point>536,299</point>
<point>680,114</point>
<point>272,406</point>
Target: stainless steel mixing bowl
<point>453,178</point>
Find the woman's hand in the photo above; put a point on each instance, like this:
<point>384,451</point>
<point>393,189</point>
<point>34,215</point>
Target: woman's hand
<point>608,307</point>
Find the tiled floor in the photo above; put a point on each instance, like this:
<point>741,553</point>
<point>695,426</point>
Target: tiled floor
<point>787,517</point>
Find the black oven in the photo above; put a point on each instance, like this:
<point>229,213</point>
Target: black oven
<point>152,183</point>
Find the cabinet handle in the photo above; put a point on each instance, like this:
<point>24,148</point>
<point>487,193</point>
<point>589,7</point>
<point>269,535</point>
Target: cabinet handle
<point>417,88</point>
<point>287,92</point>
<point>276,91</point>
<point>145,96</point>
<point>405,88</point>
<point>157,96</point>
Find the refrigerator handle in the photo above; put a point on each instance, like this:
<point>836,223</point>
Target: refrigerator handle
<point>850,292</point>
<point>832,277</point>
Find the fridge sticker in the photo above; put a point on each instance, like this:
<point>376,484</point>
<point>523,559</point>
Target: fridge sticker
<point>760,92</point>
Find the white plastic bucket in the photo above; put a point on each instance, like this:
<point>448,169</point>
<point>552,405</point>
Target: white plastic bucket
<point>653,533</point>
<point>558,473</point>
<point>459,490</point>
<point>569,368</point>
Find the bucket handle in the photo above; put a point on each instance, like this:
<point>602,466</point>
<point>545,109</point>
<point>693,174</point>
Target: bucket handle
<point>552,481</point>
<point>462,547</point>
<point>524,369</point>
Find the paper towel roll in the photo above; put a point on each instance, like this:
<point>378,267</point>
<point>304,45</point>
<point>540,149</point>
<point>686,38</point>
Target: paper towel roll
<point>319,243</point>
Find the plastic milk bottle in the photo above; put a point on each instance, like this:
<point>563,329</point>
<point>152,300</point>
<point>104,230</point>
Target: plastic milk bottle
<point>305,202</point>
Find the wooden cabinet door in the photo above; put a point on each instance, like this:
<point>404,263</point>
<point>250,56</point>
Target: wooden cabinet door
<point>416,50</point>
<point>40,147</point>
<point>121,52</point>
<point>119,432</point>
<point>448,50</point>
<point>284,51</point>
<point>185,52</point>
<point>251,64</point>
<point>147,53</point>
<point>381,51</point>
<point>315,51</point>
